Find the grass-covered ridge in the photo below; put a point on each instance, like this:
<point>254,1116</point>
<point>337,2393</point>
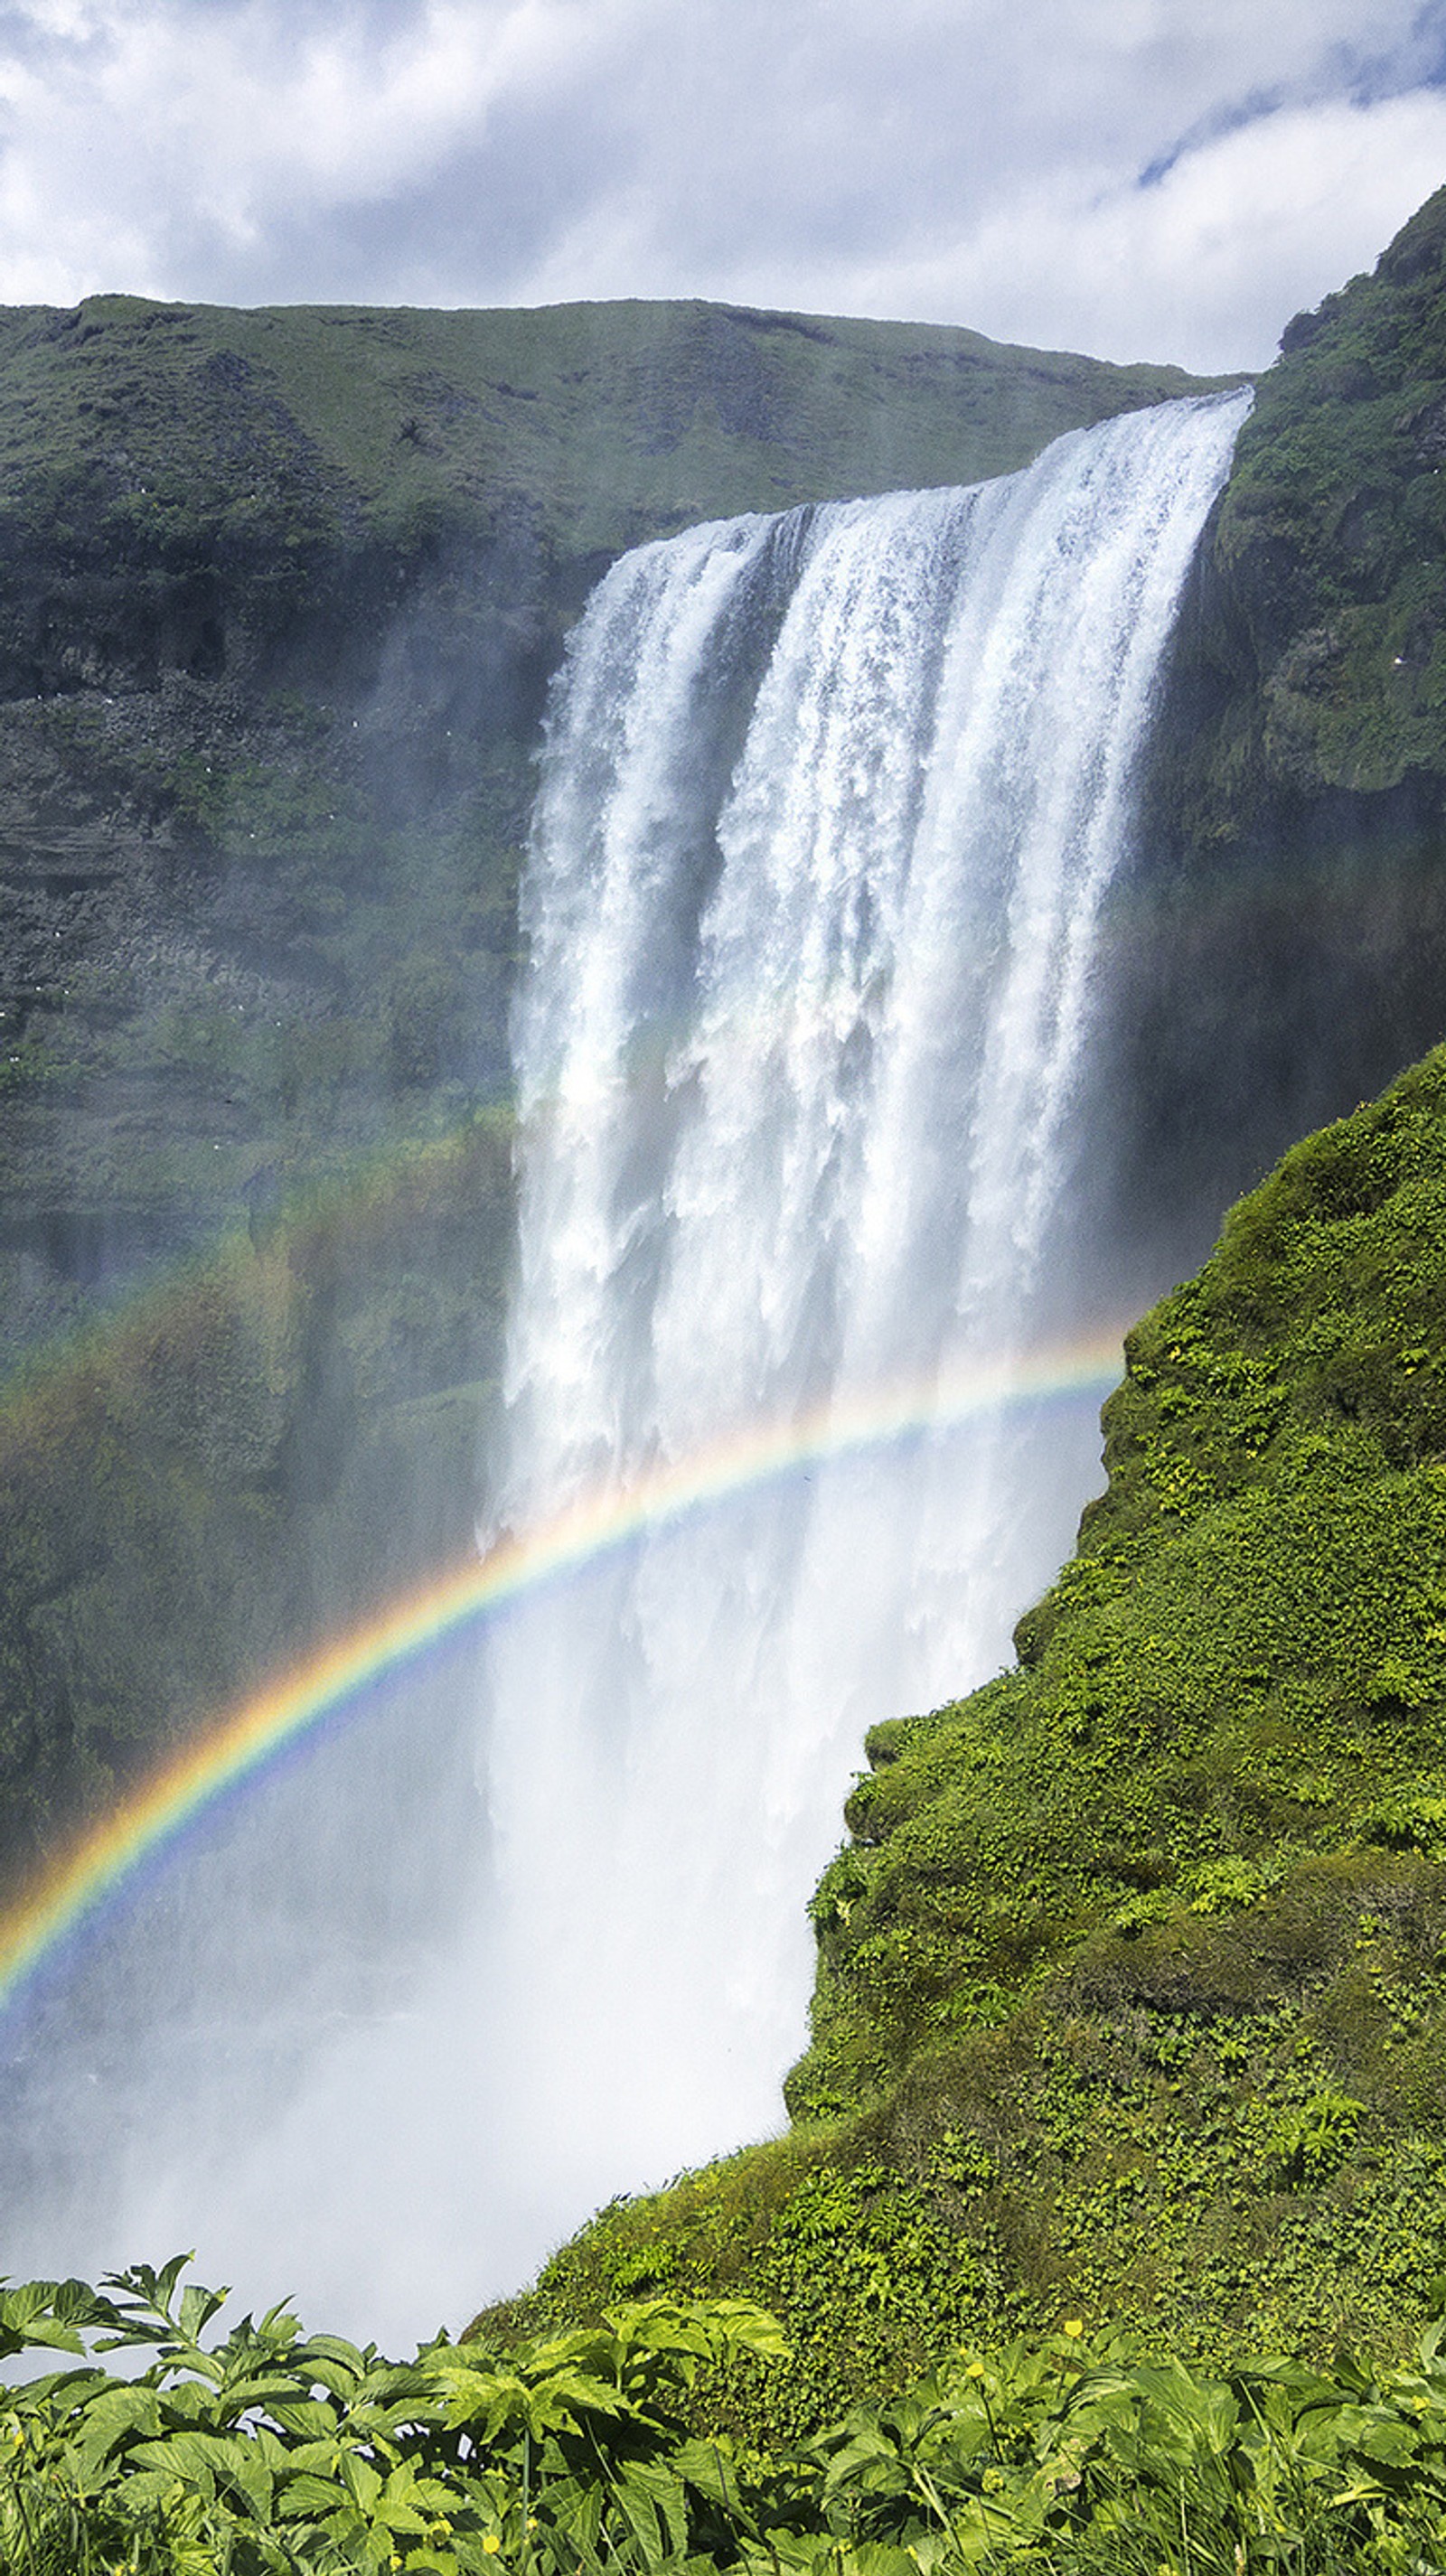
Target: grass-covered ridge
<point>1131,1998</point>
<point>289,426</point>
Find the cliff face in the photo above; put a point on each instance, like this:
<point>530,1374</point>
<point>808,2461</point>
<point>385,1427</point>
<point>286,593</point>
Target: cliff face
<point>280,593</point>
<point>1282,945</point>
<point>1322,583</point>
<point>279,596</point>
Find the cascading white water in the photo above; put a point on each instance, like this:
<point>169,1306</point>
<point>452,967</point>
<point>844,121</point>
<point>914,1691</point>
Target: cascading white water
<point>829,806</point>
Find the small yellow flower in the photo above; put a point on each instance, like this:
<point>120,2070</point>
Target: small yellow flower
<point>491,2544</point>
<point>975,2370</point>
<point>1074,2326</point>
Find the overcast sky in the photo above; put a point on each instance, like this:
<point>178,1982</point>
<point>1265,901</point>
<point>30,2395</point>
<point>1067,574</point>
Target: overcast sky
<point>1137,178</point>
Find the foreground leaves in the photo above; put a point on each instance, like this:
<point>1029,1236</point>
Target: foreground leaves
<point>272,2453</point>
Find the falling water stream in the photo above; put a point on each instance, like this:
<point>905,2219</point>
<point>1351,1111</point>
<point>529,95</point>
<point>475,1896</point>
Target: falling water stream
<point>829,807</point>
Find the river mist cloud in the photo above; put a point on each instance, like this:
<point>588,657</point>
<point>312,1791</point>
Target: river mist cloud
<point>1130,177</point>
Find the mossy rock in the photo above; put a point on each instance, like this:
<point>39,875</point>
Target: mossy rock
<point>1318,647</point>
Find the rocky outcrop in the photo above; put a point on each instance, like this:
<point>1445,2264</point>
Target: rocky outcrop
<point>1281,946</point>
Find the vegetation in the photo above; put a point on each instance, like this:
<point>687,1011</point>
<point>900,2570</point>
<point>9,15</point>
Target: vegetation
<point>1330,543</point>
<point>1130,1999</point>
<point>153,431</point>
<point>276,2453</point>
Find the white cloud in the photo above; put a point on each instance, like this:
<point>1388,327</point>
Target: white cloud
<point>955,160</point>
<point>1203,267</point>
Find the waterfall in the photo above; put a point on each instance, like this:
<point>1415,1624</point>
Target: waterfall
<point>829,807</point>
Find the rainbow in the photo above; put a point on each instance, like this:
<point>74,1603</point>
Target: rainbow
<point>331,1683</point>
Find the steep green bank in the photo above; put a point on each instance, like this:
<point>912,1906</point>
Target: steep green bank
<point>1325,560</point>
<point>1131,1997</point>
<point>280,593</point>
<point>1281,945</point>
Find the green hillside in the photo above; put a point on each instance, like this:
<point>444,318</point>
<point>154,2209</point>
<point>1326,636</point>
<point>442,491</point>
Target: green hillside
<point>1131,1996</point>
<point>298,425</point>
<point>1329,545</point>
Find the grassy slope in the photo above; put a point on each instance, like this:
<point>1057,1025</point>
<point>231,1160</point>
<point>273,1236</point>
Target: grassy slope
<point>1131,1999</point>
<point>608,420</point>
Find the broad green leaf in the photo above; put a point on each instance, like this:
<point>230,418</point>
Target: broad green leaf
<point>313,2418</point>
<point>198,2307</point>
<point>363,2480</point>
<point>267,2391</point>
<point>143,2490</point>
<point>335,2350</point>
<point>311,2496</point>
<point>106,2421</point>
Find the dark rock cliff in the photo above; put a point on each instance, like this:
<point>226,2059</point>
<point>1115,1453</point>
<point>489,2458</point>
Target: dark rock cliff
<point>279,596</point>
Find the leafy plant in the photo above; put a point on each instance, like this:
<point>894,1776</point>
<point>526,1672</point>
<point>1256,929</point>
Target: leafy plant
<point>270,2452</point>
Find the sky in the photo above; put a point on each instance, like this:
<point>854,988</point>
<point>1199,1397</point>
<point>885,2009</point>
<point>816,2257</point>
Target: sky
<point>1166,179</point>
